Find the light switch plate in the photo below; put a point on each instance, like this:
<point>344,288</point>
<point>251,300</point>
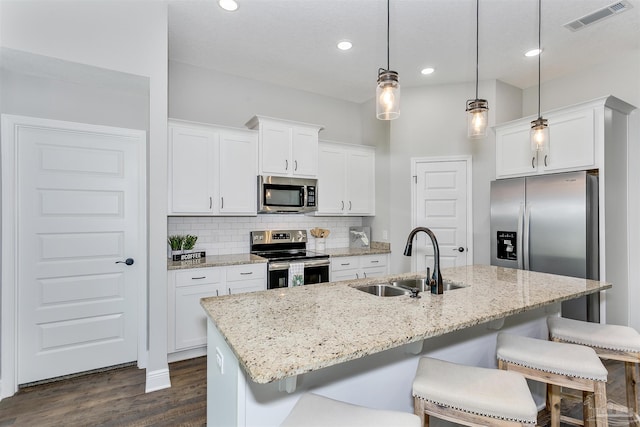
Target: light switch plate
<point>220,360</point>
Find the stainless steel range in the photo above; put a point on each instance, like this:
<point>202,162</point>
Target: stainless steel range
<point>284,247</point>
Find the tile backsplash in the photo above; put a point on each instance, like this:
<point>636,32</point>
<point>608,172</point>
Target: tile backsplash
<point>230,235</point>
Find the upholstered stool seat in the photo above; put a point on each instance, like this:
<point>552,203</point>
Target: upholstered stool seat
<point>313,410</point>
<point>559,365</point>
<point>613,342</point>
<point>471,396</point>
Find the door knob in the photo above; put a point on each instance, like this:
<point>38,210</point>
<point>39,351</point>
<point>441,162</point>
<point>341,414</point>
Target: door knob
<point>128,261</point>
<point>460,249</point>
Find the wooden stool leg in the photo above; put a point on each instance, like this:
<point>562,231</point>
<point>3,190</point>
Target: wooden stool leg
<point>588,414</point>
<point>600,403</point>
<point>554,399</point>
<point>631,374</point>
<point>418,409</point>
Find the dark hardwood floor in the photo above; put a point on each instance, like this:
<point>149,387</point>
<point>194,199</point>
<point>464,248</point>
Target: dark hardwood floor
<point>112,398</point>
<point>117,398</point>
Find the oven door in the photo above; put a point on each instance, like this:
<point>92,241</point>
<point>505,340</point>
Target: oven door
<point>315,271</point>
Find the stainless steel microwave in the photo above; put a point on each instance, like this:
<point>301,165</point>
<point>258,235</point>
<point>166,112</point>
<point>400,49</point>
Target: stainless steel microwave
<point>277,194</point>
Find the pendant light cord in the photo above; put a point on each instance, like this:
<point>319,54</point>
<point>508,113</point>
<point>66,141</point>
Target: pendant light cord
<point>539,50</point>
<point>477,42</point>
<point>388,23</point>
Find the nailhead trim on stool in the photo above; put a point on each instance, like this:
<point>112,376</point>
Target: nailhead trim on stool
<point>471,395</point>
<point>313,410</point>
<point>613,342</point>
<point>559,365</point>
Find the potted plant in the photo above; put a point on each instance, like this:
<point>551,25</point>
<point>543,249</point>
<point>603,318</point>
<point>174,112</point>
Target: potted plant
<point>189,242</point>
<point>176,242</point>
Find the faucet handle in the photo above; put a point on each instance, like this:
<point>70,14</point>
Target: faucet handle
<point>414,293</point>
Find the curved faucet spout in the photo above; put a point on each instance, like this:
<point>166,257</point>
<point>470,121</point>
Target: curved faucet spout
<point>435,280</point>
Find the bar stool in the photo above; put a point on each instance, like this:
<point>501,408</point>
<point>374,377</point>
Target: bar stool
<point>313,410</point>
<point>613,342</point>
<point>559,365</point>
<point>471,396</point>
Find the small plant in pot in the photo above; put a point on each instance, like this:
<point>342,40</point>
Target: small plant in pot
<point>176,242</point>
<point>189,242</point>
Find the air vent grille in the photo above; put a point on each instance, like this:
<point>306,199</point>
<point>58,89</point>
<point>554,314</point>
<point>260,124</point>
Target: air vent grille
<point>598,15</point>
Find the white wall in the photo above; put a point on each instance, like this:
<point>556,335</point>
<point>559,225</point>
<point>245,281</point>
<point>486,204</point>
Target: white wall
<point>433,123</point>
<point>208,96</point>
<point>128,37</point>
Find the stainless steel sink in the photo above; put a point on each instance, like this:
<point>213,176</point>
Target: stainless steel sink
<point>421,284</point>
<point>383,290</point>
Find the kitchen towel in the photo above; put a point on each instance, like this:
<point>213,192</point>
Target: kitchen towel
<point>296,274</point>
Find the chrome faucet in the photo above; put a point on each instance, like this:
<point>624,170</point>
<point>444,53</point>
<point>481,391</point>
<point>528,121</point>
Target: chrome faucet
<point>435,281</point>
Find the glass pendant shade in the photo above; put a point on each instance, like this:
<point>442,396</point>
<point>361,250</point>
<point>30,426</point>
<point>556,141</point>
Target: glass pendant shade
<point>539,135</point>
<point>387,95</point>
<point>477,118</point>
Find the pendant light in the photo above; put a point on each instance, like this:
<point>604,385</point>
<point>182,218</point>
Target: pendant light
<point>539,134</point>
<point>477,109</point>
<point>388,90</point>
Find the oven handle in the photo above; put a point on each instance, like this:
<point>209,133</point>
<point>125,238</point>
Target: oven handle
<point>273,266</point>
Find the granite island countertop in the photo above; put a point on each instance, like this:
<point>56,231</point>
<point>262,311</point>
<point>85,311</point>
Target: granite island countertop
<point>284,332</point>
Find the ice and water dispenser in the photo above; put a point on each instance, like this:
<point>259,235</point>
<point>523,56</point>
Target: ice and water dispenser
<point>507,245</point>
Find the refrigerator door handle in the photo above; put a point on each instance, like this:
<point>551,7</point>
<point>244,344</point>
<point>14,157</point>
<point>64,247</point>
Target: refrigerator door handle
<point>525,243</point>
<point>520,254</point>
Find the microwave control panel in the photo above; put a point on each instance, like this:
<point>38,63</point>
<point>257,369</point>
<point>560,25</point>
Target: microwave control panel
<point>311,195</point>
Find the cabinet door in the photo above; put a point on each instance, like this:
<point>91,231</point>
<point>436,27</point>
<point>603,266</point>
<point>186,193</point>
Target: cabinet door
<point>360,183</point>
<point>190,174</point>
<point>345,268</point>
<point>351,274</point>
<point>513,152</point>
<point>332,166</point>
<point>305,152</point>
<point>572,141</point>
<point>237,173</point>
<point>275,149</point>
<point>190,318</point>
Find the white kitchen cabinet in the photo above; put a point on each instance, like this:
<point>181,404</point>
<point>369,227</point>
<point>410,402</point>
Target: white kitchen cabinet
<point>187,323</point>
<point>191,152</point>
<point>212,170</point>
<point>286,148</point>
<point>246,278</point>
<point>572,145</point>
<point>359,267</point>
<point>346,179</point>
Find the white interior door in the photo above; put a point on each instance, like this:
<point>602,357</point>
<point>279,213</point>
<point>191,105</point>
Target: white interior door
<point>442,203</point>
<point>80,212</point>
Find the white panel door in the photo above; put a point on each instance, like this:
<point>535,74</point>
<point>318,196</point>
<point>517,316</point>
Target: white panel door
<point>79,214</point>
<point>305,151</point>
<point>441,205</point>
<point>332,166</point>
<point>361,182</point>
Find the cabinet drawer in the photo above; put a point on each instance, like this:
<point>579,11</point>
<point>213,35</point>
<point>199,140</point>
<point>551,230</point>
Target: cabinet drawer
<point>246,272</point>
<point>198,276</point>
<point>373,261</point>
<point>345,263</point>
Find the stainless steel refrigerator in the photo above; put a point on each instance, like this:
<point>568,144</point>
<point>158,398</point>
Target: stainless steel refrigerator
<point>549,223</point>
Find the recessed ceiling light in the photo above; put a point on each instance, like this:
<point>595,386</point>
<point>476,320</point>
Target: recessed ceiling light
<point>344,45</point>
<point>533,52</point>
<point>427,71</point>
<point>229,5</point>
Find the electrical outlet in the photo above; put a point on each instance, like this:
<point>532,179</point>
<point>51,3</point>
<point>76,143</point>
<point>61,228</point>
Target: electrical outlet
<point>220,360</point>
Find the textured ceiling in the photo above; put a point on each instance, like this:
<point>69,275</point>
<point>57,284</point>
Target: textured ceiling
<point>293,42</point>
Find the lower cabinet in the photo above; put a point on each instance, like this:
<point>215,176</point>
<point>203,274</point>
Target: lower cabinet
<point>187,322</point>
<point>359,267</point>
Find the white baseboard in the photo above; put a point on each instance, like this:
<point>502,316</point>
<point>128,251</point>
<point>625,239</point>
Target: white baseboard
<point>187,354</point>
<point>157,380</point>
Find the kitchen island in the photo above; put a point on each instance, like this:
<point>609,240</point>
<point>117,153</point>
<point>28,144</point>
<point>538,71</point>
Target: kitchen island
<point>266,348</point>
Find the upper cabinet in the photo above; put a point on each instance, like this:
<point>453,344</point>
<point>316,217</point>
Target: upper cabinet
<point>212,170</point>
<point>346,179</point>
<point>286,148</point>
<point>576,135</point>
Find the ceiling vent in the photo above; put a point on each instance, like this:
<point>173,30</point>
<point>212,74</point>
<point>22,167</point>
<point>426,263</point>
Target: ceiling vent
<point>599,15</point>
